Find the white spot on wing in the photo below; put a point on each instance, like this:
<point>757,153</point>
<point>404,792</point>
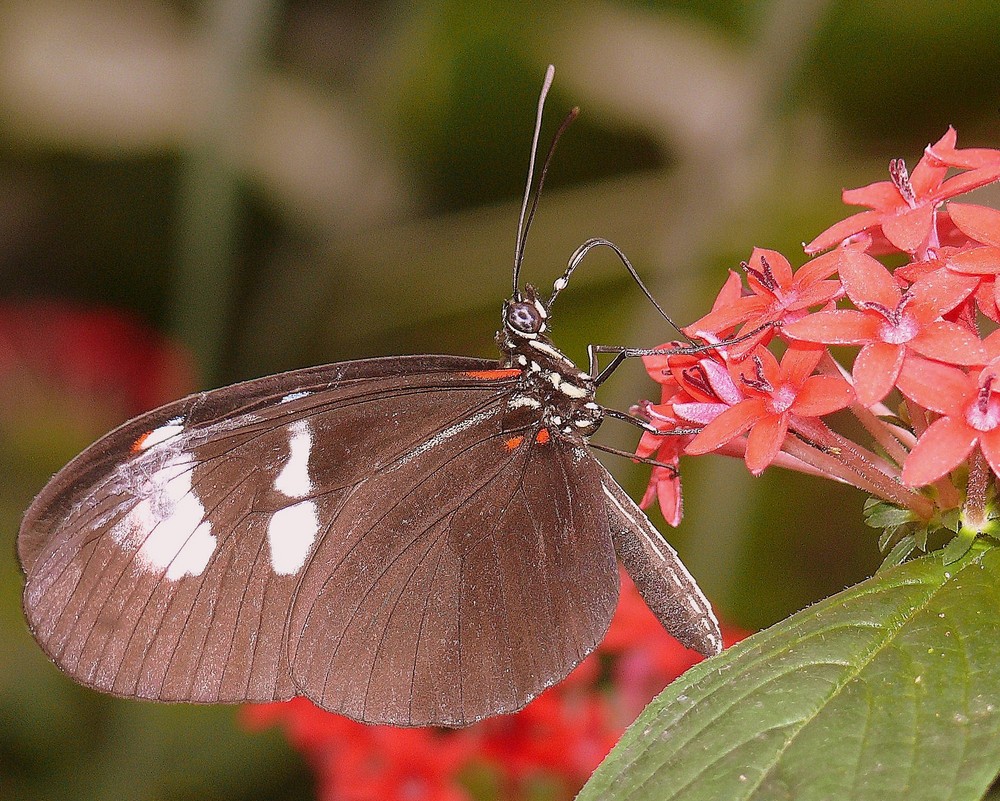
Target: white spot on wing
<point>169,522</point>
<point>168,430</point>
<point>521,401</point>
<point>293,480</point>
<point>295,396</point>
<point>291,533</point>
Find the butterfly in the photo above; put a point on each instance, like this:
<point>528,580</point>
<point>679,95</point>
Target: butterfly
<point>414,540</point>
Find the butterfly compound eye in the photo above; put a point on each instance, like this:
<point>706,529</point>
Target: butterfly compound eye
<point>524,317</point>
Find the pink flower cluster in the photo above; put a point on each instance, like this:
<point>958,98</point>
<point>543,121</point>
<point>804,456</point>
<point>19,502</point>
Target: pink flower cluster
<point>920,340</point>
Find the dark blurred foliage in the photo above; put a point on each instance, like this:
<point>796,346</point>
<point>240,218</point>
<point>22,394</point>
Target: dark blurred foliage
<point>277,184</point>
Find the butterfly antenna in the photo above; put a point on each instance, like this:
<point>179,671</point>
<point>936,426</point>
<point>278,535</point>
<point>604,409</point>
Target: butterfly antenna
<point>577,258</point>
<point>573,114</point>
<point>522,231</point>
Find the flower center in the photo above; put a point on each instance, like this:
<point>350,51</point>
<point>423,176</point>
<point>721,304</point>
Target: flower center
<point>898,332</point>
<point>901,180</point>
<point>899,327</point>
<point>781,399</point>
<point>983,414</point>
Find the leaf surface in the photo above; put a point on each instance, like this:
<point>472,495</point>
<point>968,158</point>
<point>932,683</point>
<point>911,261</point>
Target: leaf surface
<point>888,690</point>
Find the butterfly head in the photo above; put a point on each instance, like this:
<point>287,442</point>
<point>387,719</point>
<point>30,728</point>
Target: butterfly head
<point>524,317</point>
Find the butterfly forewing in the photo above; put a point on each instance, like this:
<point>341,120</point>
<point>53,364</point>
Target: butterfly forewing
<point>108,456</point>
<point>247,544</point>
<point>188,608</point>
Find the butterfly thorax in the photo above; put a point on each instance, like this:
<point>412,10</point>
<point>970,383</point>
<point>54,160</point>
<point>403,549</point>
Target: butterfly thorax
<point>551,383</point>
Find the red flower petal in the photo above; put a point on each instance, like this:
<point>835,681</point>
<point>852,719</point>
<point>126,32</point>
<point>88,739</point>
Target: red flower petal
<point>909,231</point>
<point>935,386</point>
<point>942,447</point>
<point>967,181</point>
<point>865,279</point>
<point>944,151</point>
<point>725,318</point>
<point>699,413</point>
<point>983,260</point>
<point>881,195</point>
<point>817,269</point>
<point>875,371</point>
<point>822,394</point>
<point>838,232</point>
<point>986,299</point>
<point>980,223</point>
<point>764,442</point>
<point>836,327</point>
<point>929,172</point>
<point>731,423</point>
<point>939,292</point>
<point>799,362</point>
<point>816,294</point>
<point>668,496</point>
<point>950,343</point>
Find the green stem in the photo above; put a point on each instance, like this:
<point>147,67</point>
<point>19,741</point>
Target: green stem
<point>235,34</point>
<point>858,466</point>
<point>974,509</point>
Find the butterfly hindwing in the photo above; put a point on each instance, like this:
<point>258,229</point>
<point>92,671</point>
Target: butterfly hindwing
<point>482,574</point>
<point>665,584</point>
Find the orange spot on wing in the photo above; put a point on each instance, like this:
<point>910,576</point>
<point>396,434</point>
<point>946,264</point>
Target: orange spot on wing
<point>542,436</point>
<point>137,445</point>
<point>493,375</point>
<point>513,442</point>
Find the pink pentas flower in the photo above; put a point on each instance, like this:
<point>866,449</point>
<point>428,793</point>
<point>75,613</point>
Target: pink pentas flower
<point>696,389</point>
<point>980,161</point>
<point>776,294</point>
<point>889,323</point>
<point>904,208</point>
<point>774,394</point>
<point>969,406</point>
<point>971,267</point>
<point>664,485</point>
<point>980,223</point>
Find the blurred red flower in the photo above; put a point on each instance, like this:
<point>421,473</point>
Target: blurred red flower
<point>108,363</point>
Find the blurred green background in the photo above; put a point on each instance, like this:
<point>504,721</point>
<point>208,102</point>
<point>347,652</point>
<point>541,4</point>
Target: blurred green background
<point>277,184</point>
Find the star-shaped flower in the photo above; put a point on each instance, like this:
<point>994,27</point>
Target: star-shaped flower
<point>889,323</point>
<point>969,405</point>
<point>905,206</point>
<point>774,394</point>
<point>777,294</point>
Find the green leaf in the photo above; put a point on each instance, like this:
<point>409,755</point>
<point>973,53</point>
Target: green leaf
<point>959,545</point>
<point>899,552</point>
<point>880,514</point>
<point>888,690</point>
<point>888,535</point>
